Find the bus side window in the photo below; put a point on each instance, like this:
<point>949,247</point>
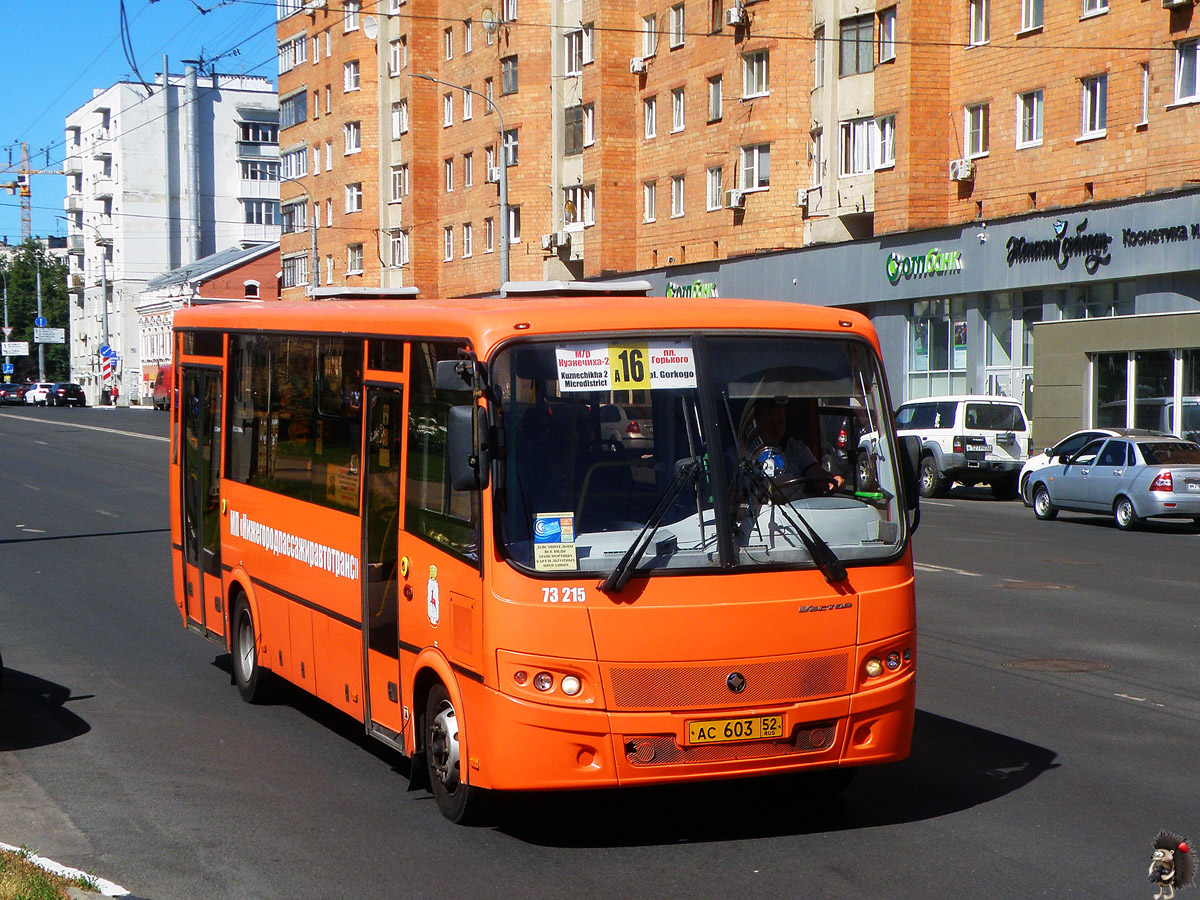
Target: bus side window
<point>432,510</point>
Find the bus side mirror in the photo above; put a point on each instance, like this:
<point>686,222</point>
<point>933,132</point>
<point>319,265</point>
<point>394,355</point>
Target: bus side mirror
<point>453,375</point>
<point>469,464</point>
<point>910,465</point>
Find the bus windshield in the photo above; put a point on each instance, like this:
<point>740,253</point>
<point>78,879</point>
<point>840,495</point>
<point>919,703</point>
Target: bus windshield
<point>738,451</point>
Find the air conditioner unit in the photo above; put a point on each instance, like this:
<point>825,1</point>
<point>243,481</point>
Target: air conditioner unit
<point>637,66</point>
<point>493,175</point>
<point>962,170</point>
<point>735,15</point>
<point>314,5</point>
<point>735,200</point>
<point>802,198</point>
<point>550,241</point>
<point>1175,4</point>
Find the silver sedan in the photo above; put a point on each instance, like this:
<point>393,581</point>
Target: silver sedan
<point>1128,477</point>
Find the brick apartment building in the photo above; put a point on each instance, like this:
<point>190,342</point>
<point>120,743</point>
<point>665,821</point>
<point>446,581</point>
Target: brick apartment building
<point>960,171</point>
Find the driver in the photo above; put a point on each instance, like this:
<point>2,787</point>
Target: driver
<point>771,427</point>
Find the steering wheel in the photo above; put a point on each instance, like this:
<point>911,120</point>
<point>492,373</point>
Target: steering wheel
<point>787,485</point>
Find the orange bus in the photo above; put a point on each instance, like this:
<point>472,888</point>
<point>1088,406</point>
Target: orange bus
<point>557,542</point>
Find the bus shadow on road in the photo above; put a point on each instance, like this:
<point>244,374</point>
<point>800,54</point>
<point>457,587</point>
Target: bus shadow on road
<point>953,767</point>
<point>33,712</point>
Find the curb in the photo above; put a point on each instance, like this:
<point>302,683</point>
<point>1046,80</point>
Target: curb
<point>104,887</point>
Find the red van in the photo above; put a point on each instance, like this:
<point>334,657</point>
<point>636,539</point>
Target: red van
<point>162,388</point>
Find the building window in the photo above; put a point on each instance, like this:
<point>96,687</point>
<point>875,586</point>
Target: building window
<point>589,124</point>
<point>1095,105</point>
<point>816,157</point>
<point>468,106</point>
<point>508,75</point>
<point>573,208</point>
<point>354,259</point>
<point>714,98</point>
<point>354,197</point>
<point>1029,119</point>
<point>1094,7</point>
<point>447,110</point>
<point>650,114</point>
<point>260,212</point>
<point>937,356</point>
<point>489,235</point>
<point>1186,88</point>
<point>754,74</point>
<point>489,91</point>
<point>588,43</point>
<point>447,243</point>
<point>976,130</point>
<point>250,133</point>
<point>293,110</point>
<point>397,184</point>
<point>508,10</point>
<point>884,144</point>
<point>448,170</point>
<point>350,10</point>
<point>394,54</point>
<point>649,199</point>
<point>1145,67</point>
<point>1031,14</point>
<point>887,34</point>
<point>573,135</point>
<point>649,35</point>
<point>295,271</point>
<point>511,157</point>
<point>713,192</point>
<point>468,39</point>
<point>293,217</point>
<point>980,22</point>
<point>677,28</point>
<point>400,118</point>
<point>328,155</point>
<point>350,79</point>
<point>294,163</point>
<point>677,106</point>
<point>855,157</point>
<point>716,16</point>
<point>855,45</point>
<point>352,133</point>
<point>514,224</point>
<point>819,56</point>
<point>573,52</point>
<point>329,211</point>
<point>589,205</point>
<point>448,42</point>
<point>468,233</point>
<point>468,169</point>
<point>258,170</point>
<point>676,196</point>
<point>399,248</point>
<point>756,167</point>
<point>329,269</point>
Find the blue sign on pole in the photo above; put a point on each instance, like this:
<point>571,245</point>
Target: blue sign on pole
<point>8,368</point>
<point>106,350</point>
<point>39,322</point>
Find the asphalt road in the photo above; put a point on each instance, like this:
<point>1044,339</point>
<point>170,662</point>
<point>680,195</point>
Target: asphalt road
<point>125,751</point>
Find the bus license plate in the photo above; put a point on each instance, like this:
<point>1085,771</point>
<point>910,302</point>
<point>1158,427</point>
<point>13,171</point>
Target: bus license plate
<point>719,731</point>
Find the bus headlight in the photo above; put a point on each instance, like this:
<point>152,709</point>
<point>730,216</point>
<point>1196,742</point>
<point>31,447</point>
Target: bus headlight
<point>543,681</point>
<point>571,685</point>
<point>874,667</point>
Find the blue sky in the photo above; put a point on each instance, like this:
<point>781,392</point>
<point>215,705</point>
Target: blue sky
<point>57,51</point>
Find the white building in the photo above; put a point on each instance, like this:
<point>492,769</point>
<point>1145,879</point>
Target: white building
<point>155,181</point>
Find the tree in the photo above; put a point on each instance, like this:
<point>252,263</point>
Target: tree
<point>20,272</point>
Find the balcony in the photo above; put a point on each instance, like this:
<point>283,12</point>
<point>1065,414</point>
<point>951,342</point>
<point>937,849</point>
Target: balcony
<point>73,203</point>
<point>72,165</point>
<point>102,186</point>
<point>76,285</point>
<point>75,244</point>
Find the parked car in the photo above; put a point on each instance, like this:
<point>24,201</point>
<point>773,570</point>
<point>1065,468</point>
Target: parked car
<point>969,439</point>
<point>1155,413</point>
<point>627,427</point>
<point>38,393</point>
<point>161,392</point>
<point>1130,476</point>
<point>66,393</point>
<point>11,392</point>
<point>1067,447</point>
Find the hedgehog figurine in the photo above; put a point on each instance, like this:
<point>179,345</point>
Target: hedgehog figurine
<point>1173,865</point>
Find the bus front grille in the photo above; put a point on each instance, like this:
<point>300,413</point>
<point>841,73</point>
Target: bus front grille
<point>687,687</point>
<point>662,750</point>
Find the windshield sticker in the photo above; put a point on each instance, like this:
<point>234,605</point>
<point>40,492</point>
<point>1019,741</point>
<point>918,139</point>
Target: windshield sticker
<point>554,542</point>
<point>652,365</point>
<point>433,605</point>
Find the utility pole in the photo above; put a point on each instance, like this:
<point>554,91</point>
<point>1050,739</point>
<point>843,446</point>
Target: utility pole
<point>41,346</point>
<point>7,332</point>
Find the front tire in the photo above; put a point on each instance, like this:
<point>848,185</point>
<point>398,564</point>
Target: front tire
<point>932,482</point>
<point>253,682</point>
<point>1125,515</point>
<point>1042,507</point>
<point>866,472</point>
<point>457,800</point>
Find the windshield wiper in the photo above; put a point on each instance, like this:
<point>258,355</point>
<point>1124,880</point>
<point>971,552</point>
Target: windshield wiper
<point>685,470</point>
<point>822,554</point>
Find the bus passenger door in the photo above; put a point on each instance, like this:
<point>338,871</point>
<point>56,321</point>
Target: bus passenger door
<point>201,416</point>
<point>381,525</point>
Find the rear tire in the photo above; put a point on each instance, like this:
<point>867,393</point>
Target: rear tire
<point>1125,515</point>
<point>253,681</point>
<point>932,483</point>
<point>457,800</point>
<point>1042,507</point>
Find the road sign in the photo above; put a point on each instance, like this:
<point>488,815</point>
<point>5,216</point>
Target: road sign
<point>49,335</point>
<point>8,368</point>
<point>8,330</point>
<point>39,322</point>
<point>14,348</point>
<point>105,350</point>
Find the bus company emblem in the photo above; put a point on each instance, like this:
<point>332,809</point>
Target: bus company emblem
<point>826,607</point>
<point>736,682</point>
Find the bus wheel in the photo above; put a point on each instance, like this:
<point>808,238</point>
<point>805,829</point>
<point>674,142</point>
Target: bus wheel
<point>253,682</point>
<point>458,801</point>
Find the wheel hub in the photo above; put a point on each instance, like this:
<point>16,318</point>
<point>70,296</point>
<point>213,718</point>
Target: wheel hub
<point>443,747</point>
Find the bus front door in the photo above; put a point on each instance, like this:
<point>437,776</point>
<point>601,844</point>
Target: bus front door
<point>381,584</point>
<point>201,415</point>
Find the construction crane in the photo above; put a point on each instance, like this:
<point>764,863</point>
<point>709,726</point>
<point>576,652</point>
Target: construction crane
<point>22,188</point>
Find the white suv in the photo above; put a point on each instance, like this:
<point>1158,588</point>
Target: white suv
<point>969,439</point>
<point>38,393</point>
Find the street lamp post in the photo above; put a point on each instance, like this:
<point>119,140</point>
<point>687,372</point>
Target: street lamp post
<point>6,331</point>
<point>503,170</point>
<point>313,274</point>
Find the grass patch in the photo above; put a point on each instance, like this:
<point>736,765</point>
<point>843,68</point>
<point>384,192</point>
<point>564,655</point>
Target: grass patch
<point>23,879</point>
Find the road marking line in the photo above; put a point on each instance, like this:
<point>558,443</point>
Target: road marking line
<point>1139,700</point>
<point>148,437</point>
<point>926,567</point>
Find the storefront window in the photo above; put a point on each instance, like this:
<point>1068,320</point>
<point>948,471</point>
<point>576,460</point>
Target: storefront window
<point>1031,314</point>
<point>1094,301</point>
<point>1111,382</point>
<point>999,330</point>
<point>937,359</point>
